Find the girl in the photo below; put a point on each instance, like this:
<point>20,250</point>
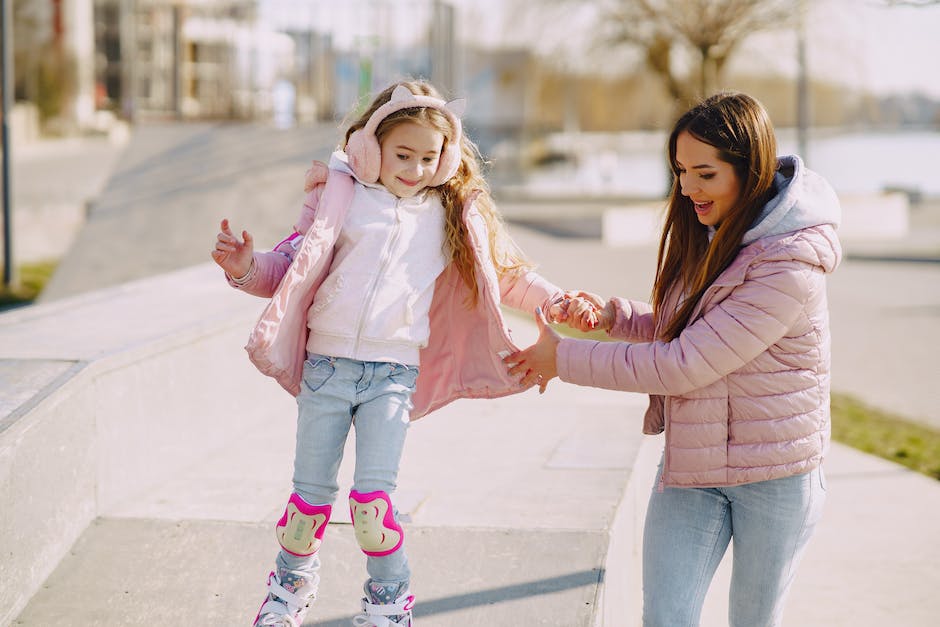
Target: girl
<point>734,352</point>
<point>399,260</point>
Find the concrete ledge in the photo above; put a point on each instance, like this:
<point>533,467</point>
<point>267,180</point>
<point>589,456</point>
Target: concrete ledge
<point>103,396</point>
<point>622,593</point>
<point>874,216</point>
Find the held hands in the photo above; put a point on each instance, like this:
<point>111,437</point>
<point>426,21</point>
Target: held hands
<point>232,254</point>
<point>583,311</point>
<point>536,364</point>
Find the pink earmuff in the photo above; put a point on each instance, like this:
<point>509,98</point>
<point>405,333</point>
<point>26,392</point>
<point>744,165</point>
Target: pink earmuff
<point>365,154</point>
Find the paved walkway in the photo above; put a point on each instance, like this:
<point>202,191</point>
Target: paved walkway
<point>873,562</point>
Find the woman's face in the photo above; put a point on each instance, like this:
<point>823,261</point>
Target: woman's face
<point>410,154</point>
<point>710,183</point>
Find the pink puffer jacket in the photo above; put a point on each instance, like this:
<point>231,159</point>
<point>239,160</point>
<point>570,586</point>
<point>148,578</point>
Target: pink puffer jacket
<point>462,359</point>
<point>743,391</point>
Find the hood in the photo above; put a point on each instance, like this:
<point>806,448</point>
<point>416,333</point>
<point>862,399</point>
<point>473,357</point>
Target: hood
<point>804,199</point>
<point>340,162</point>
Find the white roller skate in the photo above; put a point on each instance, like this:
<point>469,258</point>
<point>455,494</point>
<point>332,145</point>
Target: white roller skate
<point>380,610</point>
<point>289,598</point>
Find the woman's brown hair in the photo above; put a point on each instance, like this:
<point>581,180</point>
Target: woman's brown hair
<point>738,127</point>
<point>467,183</point>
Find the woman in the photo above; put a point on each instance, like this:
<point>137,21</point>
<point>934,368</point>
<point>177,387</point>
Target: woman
<point>734,352</point>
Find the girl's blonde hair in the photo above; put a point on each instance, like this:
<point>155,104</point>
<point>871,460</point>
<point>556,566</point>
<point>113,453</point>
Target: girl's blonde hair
<point>467,183</point>
<point>739,128</point>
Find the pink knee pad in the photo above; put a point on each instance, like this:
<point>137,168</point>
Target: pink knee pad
<point>300,529</point>
<point>373,519</point>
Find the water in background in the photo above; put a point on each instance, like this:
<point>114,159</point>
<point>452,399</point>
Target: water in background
<point>872,162</point>
<point>633,164</point>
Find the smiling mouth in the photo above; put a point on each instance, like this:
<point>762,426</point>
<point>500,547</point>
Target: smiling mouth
<point>407,182</point>
<point>702,207</point>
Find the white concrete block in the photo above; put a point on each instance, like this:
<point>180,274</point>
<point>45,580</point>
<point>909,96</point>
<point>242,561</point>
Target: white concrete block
<point>874,216</point>
<point>630,226</point>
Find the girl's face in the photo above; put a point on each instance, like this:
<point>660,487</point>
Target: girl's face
<point>710,183</point>
<point>410,153</point>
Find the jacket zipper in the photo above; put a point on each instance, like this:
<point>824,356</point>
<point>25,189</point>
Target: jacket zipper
<point>662,476</point>
<point>390,244</point>
<point>696,313</point>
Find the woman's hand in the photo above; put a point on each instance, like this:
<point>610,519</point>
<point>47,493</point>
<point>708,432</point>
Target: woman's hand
<point>588,312</point>
<point>231,253</point>
<point>536,364</point>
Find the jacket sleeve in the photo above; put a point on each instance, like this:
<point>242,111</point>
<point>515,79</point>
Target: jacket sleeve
<point>268,268</point>
<point>633,321</point>
<point>527,290</point>
<point>753,317</point>
<point>522,290</point>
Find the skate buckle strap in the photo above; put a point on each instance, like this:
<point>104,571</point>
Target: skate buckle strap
<point>271,614</point>
<point>290,599</point>
<point>375,613</point>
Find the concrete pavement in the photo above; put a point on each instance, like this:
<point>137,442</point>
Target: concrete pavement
<point>178,456</point>
<point>491,543</point>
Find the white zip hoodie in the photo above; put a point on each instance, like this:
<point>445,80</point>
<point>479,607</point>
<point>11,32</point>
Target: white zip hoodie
<point>374,304</point>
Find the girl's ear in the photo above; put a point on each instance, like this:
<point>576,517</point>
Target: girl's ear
<point>401,93</point>
<point>457,107</point>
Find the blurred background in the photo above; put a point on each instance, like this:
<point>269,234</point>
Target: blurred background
<point>550,82</point>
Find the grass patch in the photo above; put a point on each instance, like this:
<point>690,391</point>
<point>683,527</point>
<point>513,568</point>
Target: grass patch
<point>891,437</point>
<point>32,278</point>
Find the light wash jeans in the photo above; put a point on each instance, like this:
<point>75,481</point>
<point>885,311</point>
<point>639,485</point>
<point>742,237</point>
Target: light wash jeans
<point>688,530</point>
<point>375,397</point>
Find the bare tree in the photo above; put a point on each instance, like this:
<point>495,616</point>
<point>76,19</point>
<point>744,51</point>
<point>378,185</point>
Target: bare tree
<point>686,43</point>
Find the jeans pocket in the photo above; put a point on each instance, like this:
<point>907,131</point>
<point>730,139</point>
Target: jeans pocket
<point>404,375</point>
<point>822,479</point>
<point>317,371</point>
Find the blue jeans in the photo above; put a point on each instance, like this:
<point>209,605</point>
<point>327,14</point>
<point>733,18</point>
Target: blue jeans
<point>688,530</point>
<point>337,393</point>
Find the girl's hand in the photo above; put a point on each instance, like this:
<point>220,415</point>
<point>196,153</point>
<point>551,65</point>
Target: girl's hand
<point>573,309</point>
<point>536,364</point>
<point>588,312</point>
<point>316,174</point>
<point>232,254</point>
